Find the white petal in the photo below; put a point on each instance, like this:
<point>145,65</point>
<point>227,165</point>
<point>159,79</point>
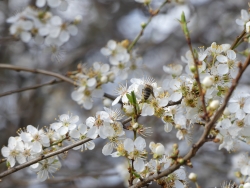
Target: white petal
<point>140,143</point>
<point>176,96</point>
<point>12,161</point>
<point>88,104</point>
<point>64,36</point>
<point>246,107</point>
<point>74,119</point>
<point>116,100</point>
<point>107,149</point>
<point>72,30</point>
<point>63,6</point>
<point>129,145</point>
<point>106,51</point>
<point>40,3</point>
<point>5,151</point>
<point>90,145</point>
<point>82,128</point>
<point>223,69</point>
<point>21,159</point>
<point>54,32</point>
<point>32,130</point>
<point>231,54</point>
<point>74,133</point>
<point>36,147</point>
<point>178,184</point>
<point>42,175</point>
<point>233,107</point>
<point>221,58</point>
<point>76,96</point>
<point>64,117</point>
<point>54,3</point>
<point>25,36</point>
<point>111,44</point>
<point>26,137</point>
<point>63,130</point>
<point>240,114</point>
<point>12,142</point>
<point>139,165</point>
<point>92,133</point>
<point>56,125</point>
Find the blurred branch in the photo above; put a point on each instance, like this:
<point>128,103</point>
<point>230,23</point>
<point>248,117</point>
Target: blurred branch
<point>39,71</point>
<point>45,72</point>
<point>24,165</point>
<point>235,43</point>
<point>8,39</point>
<point>144,25</point>
<point>203,139</point>
<point>31,87</point>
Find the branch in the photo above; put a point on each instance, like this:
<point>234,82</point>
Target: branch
<point>196,63</point>
<point>143,27</point>
<point>204,135</point>
<point>234,45</point>
<point>31,87</point>
<point>39,71</point>
<point>45,72</point>
<point>24,165</point>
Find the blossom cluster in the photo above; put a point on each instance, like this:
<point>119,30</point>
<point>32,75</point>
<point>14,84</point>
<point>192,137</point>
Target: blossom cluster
<point>43,26</point>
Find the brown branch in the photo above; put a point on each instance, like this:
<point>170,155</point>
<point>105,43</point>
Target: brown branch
<point>30,88</point>
<point>39,71</point>
<point>8,39</point>
<point>204,135</point>
<point>234,45</point>
<point>24,165</point>
<point>45,72</point>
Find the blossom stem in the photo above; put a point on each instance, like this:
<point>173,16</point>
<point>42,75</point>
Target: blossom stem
<point>196,63</point>
<point>143,27</point>
<point>203,139</point>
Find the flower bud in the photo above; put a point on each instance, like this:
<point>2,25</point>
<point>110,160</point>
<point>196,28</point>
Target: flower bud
<point>208,81</point>
<point>104,79</point>
<point>160,149</point>
<point>193,177</point>
<point>226,112</point>
<point>107,102</point>
<point>214,104</point>
<point>135,125</point>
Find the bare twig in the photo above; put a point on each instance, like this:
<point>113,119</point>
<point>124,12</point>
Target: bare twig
<point>235,43</point>
<point>203,139</point>
<point>30,88</point>
<point>143,27</point>
<point>7,39</point>
<point>39,71</point>
<point>24,165</point>
<point>45,72</point>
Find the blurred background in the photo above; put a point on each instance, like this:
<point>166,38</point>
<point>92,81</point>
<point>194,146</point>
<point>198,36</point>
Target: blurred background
<point>162,43</point>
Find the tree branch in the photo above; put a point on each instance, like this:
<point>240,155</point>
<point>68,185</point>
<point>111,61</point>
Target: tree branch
<point>204,135</point>
<point>24,165</point>
<point>39,71</point>
<point>31,87</point>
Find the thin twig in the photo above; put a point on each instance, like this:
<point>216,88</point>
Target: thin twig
<point>30,88</point>
<point>24,165</point>
<point>45,72</point>
<point>153,13</point>
<point>234,45</point>
<point>203,139</point>
<point>7,39</point>
<point>39,71</point>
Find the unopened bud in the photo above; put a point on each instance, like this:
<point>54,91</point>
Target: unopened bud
<point>193,177</point>
<point>78,19</point>
<point>226,112</point>
<point>160,149</point>
<point>107,102</point>
<point>208,81</point>
<point>135,125</point>
<point>104,79</point>
<point>214,104</point>
<point>192,69</point>
<point>143,25</point>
